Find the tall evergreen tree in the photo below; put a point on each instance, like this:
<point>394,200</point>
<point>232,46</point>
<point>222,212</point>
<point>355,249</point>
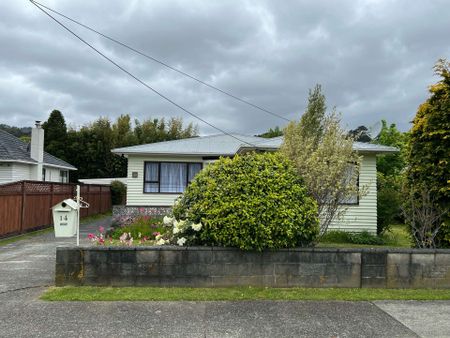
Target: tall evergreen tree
<point>312,120</point>
<point>429,147</point>
<point>55,141</point>
<point>429,151</point>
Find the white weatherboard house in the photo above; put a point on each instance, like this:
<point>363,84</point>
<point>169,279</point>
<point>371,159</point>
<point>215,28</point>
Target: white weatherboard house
<point>23,161</point>
<point>159,172</point>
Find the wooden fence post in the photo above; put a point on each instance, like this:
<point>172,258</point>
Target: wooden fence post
<point>22,216</point>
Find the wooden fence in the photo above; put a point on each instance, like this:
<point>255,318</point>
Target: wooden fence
<point>26,205</point>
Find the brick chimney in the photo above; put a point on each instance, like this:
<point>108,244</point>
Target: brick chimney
<point>37,149</point>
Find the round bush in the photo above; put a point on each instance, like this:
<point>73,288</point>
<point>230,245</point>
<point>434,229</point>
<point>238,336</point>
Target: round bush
<point>252,202</point>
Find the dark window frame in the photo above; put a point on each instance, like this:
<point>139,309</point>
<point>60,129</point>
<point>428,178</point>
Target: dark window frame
<point>159,176</point>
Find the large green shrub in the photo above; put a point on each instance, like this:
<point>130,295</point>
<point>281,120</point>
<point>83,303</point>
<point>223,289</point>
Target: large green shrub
<point>118,192</point>
<point>389,201</point>
<point>252,202</point>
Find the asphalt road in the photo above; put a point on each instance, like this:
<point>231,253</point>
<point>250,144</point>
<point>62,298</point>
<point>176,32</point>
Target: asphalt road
<point>27,267</point>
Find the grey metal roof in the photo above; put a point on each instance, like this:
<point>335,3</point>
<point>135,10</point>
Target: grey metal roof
<point>14,150</point>
<point>216,145</point>
<point>205,145</point>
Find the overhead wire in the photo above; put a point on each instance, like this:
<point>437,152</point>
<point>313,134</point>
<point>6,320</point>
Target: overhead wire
<point>162,63</point>
<point>138,79</point>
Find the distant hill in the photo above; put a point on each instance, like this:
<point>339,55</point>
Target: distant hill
<point>16,131</point>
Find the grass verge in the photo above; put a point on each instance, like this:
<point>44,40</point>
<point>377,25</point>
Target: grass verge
<point>13,239</point>
<point>89,219</point>
<point>90,293</point>
<point>397,237</point>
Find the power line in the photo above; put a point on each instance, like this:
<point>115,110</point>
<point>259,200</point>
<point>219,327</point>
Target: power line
<point>162,63</point>
<point>136,78</point>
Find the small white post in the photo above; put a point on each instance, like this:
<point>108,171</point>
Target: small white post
<point>78,215</point>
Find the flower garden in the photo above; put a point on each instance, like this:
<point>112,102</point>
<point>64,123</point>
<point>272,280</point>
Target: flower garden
<point>147,230</point>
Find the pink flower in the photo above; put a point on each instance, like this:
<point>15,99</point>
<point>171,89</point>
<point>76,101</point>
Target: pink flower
<point>156,233</point>
<point>101,229</point>
<point>90,236</point>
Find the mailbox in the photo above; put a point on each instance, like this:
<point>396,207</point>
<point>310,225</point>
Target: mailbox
<point>65,218</point>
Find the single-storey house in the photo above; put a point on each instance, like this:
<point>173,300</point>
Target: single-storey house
<point>28,161</point>
<point>159,172</point>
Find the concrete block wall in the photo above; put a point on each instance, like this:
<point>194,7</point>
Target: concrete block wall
<point>221,267</point>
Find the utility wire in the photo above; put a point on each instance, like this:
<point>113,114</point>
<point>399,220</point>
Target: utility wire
<point>162,63</point>
<point>136,78</point>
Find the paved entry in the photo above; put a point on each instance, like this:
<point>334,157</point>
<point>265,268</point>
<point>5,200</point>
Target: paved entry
<point>31,262</point>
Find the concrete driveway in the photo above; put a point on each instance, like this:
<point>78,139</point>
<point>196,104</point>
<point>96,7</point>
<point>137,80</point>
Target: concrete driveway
<point>27,268</point>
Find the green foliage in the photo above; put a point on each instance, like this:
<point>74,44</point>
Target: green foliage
<point>323,155</point>
<point>429,154</point>
<point>389,201</point>
<point>392,164</point>
<point>89,148</point>
<point>336,236</point>
<point>429,146</point>
<point>16,131</point>
<point>118,192</point>
<point>312,119</point>
<point>272,133</point>
<point>360,134</point>
<point>253,202</point>
<point>390,176</point>
<point>55,140</point>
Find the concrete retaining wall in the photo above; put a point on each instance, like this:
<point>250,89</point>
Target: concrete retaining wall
<point>217,267</point>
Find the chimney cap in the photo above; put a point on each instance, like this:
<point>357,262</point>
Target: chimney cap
<point>38,124</point>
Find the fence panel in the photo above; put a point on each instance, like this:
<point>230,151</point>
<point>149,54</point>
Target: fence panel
<point>26,205</point>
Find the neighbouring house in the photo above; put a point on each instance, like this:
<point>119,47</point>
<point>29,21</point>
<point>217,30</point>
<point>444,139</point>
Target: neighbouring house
<point>159,172</point>
<point>28,161</point>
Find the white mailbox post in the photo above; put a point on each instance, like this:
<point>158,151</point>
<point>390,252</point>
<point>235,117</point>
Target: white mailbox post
<point>65,218</point>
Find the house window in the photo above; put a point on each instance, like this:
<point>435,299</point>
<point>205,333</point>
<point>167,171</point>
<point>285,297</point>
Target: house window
<point>353,199</point>
<point>64,176</point>
<point>169,177</point>
<point>43,174</point>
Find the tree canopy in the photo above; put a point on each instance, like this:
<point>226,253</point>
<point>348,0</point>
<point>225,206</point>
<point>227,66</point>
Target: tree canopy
<point>89,147</point>
<point>429,146</point>
<point>55,135</point>
<point>323,156</point>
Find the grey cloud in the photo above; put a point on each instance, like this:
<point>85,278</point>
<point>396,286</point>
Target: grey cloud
<point>373,58</point>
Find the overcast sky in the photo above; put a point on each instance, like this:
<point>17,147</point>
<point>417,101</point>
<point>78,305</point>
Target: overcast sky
<point>374,59</point>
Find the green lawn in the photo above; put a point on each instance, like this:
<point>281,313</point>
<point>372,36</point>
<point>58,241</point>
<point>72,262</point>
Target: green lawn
<point>89,219</point>
<point>397,237</point>
<point>89,293</point>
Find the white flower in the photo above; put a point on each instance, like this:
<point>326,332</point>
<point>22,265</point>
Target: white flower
<point>196,227</point>
<point>161,241</point>
<point>158,237</point>
<point>167,220</point>
<point>181,241</point>
<point>176,230</point>
<point>181,224</point>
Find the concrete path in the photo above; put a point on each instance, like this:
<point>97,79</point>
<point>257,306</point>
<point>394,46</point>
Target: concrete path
<point>27,267</point>
<point>31,262</point>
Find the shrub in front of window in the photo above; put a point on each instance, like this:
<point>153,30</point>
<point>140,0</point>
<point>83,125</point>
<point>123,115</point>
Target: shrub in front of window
<point>253,202</point>
<point>118,192</point>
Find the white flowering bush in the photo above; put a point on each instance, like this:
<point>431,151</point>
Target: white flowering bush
<point>183,232</point>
